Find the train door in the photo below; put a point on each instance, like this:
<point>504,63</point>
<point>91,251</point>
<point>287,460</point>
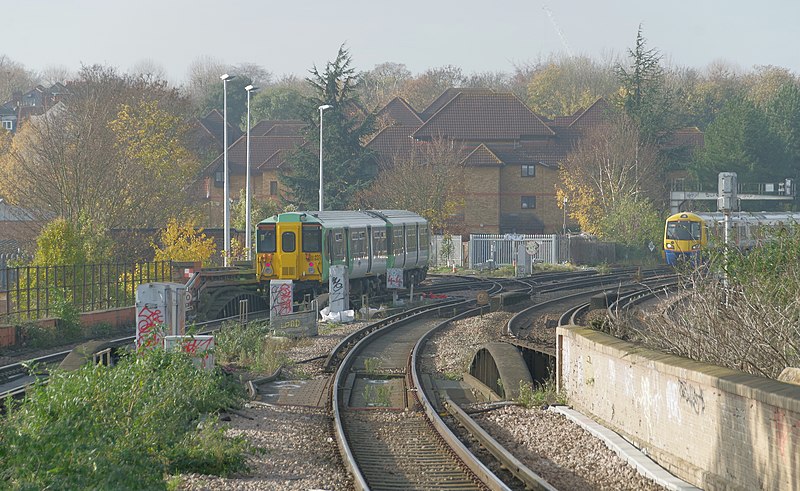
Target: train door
<point>412,245</point>
<point>399,246</point>
<point>369,249</point>
<point>289,253</point>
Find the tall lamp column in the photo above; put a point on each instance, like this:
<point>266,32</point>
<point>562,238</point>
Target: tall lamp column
<point>248,231</point>
<point>321,108</point>
<point>226,193</point>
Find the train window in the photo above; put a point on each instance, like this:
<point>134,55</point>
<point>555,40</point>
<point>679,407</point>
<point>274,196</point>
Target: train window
<point>312,238</point>
<point>265,240</point>
<point>683,230</point>
<point>288,242</point>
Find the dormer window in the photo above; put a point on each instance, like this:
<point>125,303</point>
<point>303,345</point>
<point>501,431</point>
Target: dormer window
<point>8,125</point>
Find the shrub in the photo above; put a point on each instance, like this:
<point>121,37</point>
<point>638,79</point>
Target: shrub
<point>122,427</point>
<point>251,347</point>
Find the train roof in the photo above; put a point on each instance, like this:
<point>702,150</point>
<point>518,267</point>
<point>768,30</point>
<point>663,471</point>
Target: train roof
<point>347,218</point>
<point>740,217</point>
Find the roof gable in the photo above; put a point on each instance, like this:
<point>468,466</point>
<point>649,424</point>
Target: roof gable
<point>277,127</point>
<point>401,112</point>
<point>597,113</point>
<point>392,142</point>
<point>482,157</point>
<point>447,96</point>
<point>262,148</point>
<point>484,116</point>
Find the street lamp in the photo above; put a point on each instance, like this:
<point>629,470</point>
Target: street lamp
<point>321,108</point>
<point>225,195</point>
<point>248,239</point>
<point>565,215</point>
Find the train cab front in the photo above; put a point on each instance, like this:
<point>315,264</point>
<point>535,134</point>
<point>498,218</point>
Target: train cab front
<point>289,249</point>
<point>684,236</point>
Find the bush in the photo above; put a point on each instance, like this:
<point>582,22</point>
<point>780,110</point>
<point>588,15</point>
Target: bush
<point>251,347</point>
<point>122,427</point>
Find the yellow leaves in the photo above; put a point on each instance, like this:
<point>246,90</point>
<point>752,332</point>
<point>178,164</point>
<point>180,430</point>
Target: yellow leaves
<point>183,242</point>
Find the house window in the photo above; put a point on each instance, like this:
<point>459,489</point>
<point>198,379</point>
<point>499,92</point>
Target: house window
<point>273,188</point>
<point>528,170</point>
<point>528,202</point>
<point>9,125</point>
<point>219,177</point>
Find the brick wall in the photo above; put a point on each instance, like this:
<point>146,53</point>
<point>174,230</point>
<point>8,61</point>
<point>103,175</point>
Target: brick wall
<point>714,427</point>
<point>482,200</point>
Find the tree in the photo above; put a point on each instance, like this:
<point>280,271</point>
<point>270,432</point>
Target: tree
<point>348,167</point>
<point>611,171</point>
<point>279,102</point>
<point>203,75</point>
<point>740,140</point>
<point>429,181</point>
<point>642,94</point>
<point>14,77</point>
<point>783,114</point>
<point>426,87</point>
<point>111,155</point>
<point>237,98</point>
<point>383,83</point>
<point>568,84</point>
<point>184,242</point>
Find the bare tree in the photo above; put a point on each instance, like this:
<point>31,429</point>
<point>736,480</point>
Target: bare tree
<point>202,76</point>
<point>428,181</point>
<point>148,67</point>
<point>14,77</point>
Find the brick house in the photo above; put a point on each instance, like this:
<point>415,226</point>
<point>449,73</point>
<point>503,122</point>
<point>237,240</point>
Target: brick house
<point>270,143</point>
<point>511,155</point>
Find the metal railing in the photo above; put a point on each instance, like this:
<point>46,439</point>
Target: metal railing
<point>35,292</point>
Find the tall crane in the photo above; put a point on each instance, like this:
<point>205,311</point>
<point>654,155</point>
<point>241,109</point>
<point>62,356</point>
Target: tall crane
<point>558,30</point>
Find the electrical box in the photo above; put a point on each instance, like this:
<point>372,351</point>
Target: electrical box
<point>727,186</point>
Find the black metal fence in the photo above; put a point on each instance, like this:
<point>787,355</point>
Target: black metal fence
<point>35,292</point>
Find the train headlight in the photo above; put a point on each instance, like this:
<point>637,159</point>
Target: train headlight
<point>670,245</point>
<point>695,247</point>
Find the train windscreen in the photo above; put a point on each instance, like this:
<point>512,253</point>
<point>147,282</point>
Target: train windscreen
<point>266,238</point>
<point>683,230</point>
<point>312,238</point>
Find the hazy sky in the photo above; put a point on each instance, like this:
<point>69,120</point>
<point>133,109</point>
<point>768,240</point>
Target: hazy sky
<point>288,37</point>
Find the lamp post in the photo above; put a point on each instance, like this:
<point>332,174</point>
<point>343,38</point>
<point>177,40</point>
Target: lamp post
<point>248,238</point>
<point>226,193</point>
<point>321,108</point>
<point>565,215</point>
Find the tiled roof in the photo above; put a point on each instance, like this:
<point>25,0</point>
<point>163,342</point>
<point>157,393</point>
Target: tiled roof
<point>401,113</point>
<point>483,116</point>
<point>446,97</point>
<point>482,157</point>
<point>261,149</point>
<point>277,127</point>
<point>529,153</point>
<point>392,142</point>
<point>213,122</point>
<point>9,213</point>
<point>597,113</point>
<point>686,137</point>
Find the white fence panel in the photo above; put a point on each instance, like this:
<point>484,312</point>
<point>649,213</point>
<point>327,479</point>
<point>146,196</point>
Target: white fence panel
<point>491,251</point>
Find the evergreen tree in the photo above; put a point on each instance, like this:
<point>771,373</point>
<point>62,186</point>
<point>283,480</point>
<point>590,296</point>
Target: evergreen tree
<point>348,168</point>
<point>643,94</point>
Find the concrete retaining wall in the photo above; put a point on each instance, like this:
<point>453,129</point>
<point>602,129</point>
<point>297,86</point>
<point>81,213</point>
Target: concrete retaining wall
<point>714,427</point>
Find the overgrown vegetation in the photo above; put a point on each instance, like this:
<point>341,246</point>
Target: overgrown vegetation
<point>540,395</point>
<point>251,347</point>
<point>748,319</point>
<point>126,427</point>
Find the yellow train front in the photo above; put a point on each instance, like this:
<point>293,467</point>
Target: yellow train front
<point>290,248</point>
<point>685,235</point>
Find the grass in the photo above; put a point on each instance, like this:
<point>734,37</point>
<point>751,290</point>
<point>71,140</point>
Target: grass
<point>131,426</point>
